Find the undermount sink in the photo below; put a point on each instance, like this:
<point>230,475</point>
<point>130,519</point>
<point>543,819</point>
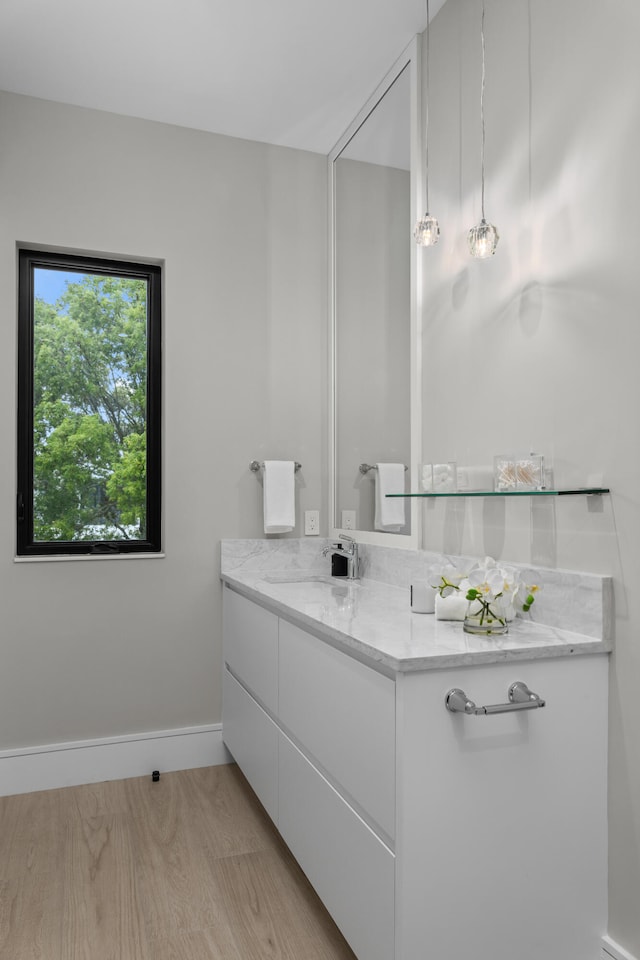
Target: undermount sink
<point>301,578</point>
<point>314,588</point>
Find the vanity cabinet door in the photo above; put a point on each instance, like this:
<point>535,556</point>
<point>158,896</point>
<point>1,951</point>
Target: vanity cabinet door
<point>350,868</point>
<point>252,738</point>
<point>503,820</point>
<point>251,647</point>
<point>342,714</point>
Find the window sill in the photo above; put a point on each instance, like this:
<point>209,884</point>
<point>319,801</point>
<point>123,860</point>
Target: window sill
<point>91,557</point>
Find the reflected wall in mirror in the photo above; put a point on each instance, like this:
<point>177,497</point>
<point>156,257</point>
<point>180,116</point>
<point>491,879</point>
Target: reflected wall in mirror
<point>372,302</point>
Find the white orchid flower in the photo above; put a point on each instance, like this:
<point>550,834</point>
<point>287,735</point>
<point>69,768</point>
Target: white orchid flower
<point>510,582</point>
<point>446,579</point>
<point>525,595</point>
<point>488,581</point>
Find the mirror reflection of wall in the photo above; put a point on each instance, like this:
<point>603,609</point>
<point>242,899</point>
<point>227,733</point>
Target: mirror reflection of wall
<point>373,303</point>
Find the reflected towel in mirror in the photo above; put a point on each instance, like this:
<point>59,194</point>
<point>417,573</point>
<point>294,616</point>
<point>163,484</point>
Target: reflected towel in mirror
<point>389,514</point>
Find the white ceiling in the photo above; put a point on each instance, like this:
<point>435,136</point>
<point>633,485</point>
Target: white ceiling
<point>288,72</point>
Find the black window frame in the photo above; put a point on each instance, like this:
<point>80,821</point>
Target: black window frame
<point>28,260</point>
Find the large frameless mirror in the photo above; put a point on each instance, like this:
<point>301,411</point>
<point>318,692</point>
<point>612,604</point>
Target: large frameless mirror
<point>373,175</point>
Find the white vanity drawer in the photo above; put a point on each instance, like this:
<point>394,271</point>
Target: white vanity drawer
<point>352,871</point>
<point>342,713</point>
<point>252,738</point>
<point>251,647</point>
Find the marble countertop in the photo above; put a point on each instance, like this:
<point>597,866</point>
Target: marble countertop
<point>373,621</point>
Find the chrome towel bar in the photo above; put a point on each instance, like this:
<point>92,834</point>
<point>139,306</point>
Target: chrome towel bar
<point>365,467</point>
<point>520,698</point>
<point>256,466</point>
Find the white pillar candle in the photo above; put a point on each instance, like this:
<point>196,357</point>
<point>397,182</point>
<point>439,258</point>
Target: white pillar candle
<point>423,597</point>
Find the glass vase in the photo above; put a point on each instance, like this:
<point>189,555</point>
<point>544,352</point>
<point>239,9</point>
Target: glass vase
<point>481,621</point>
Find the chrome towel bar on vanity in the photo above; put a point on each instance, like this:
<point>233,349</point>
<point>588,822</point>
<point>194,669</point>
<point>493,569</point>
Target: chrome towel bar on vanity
<point>256,466</point>
<point>365,467</point>
<point>520,698</point>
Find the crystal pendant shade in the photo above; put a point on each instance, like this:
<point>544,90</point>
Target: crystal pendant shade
<point>483,240</point>
<point>427,231</point>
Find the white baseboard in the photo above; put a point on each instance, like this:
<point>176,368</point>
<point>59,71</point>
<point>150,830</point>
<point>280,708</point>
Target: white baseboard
<point>613,951</point>
<point>53,765</point>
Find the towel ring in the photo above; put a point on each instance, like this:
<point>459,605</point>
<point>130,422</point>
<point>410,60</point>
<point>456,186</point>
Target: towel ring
<point>256,466</point>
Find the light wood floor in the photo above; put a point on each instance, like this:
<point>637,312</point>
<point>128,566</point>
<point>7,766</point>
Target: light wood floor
<point>189,868</point>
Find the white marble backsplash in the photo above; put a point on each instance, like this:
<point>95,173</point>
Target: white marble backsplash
<point>568,600</point>
<point>280,555</point>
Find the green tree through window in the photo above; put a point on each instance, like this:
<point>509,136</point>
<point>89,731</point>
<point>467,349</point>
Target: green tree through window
<point>88,405</point>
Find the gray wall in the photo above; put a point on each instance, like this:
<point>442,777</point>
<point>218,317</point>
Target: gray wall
<point>538,348</point>
<point>94,649</point>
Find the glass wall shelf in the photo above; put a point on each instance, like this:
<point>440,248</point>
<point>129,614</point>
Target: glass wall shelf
<point>578,491</point>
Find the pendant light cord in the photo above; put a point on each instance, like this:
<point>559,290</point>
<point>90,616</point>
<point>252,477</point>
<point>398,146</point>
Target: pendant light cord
<point>482,111</point>
<point>483,237</point>
<point>426,124</point>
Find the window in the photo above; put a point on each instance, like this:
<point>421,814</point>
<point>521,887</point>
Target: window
<point>89,405</point>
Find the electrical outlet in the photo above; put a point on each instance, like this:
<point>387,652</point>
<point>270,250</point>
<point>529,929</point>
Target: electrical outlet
<point>348,520</point>
<point>312,523</point>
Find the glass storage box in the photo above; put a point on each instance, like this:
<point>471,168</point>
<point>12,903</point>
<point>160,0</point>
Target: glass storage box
<point>522,472</point>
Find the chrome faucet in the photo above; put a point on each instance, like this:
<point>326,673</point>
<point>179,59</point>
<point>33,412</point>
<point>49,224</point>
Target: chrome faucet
<point>353,558</point>
<point>350,552</point>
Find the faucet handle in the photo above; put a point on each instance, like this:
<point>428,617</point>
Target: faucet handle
<point>330,547</point>
<point>344,536</point>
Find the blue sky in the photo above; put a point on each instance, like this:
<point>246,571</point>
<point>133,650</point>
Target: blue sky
<point>48,284</point>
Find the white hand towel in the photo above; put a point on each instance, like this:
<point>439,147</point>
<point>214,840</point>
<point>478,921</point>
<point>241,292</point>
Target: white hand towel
<point>279,496</point>
<point>389,514</point>
<point>475,478</point>
<point>453,607</point>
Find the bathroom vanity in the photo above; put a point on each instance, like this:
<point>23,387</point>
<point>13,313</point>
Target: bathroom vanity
<point>426,833</point>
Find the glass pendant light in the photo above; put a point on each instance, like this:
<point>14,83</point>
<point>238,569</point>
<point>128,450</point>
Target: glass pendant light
<point>427,230</point>
<point>483,238</point>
